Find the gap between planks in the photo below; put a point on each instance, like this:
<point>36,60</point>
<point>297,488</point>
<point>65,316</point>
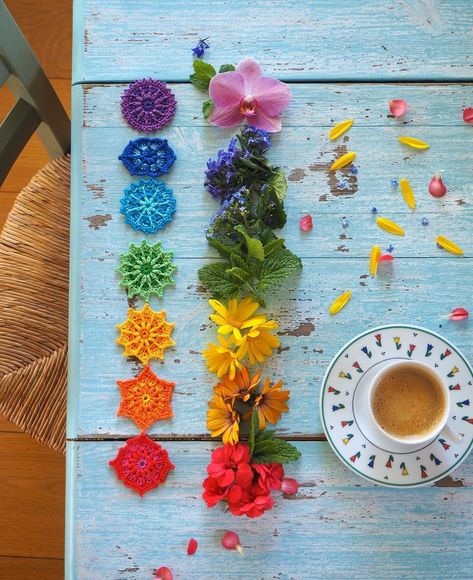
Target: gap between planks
<point>197,438</point>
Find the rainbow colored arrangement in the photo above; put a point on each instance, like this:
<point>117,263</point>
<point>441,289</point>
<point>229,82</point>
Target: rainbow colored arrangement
<point>250,192</point>
<point>145,270</point>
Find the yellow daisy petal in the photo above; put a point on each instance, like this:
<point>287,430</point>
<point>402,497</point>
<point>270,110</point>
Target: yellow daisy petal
<point>448,245</point>
<point>340,129</point>
<point>339,303</point>
<point>374,260</point>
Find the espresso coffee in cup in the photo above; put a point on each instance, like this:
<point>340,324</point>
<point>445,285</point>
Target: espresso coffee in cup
<point>409,401</point>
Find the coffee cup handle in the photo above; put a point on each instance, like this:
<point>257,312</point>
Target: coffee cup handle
<point>450,434</point>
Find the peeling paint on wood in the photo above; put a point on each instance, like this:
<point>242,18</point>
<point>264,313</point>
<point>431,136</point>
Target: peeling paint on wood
<point>98,221</point>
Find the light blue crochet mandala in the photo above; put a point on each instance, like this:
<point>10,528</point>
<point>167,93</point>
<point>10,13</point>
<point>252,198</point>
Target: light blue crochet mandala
<point>148,205</point>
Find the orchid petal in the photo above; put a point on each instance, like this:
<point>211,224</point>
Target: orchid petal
<point>263,121</point>
<point>458,314</point>
<point>414,143</point>
<point>468,115</point>
<point>251,72</point>
<point>228,117</point>
<point>227,89</point>
<point>273,96</point>
<point>397,107</point>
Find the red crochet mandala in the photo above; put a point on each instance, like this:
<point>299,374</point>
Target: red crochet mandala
<point>142,464</point>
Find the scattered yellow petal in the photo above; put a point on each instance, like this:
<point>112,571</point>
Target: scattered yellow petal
<point>339,303</point>
<point>343,160</point>
<point>407,193</point>
<point>390,226</point>
<point>339,129</point>
<point>414,143</point>
<point>374,260</point>
<point>448,245</point>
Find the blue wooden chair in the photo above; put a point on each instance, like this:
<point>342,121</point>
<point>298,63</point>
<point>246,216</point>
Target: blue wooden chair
<point>34,250</point>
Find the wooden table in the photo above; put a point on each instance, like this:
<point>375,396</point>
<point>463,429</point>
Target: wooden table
<point>343,59</point>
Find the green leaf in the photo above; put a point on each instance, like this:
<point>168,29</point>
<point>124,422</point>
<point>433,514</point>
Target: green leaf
<point>214,278</point>
<point>279,184</point>
<point>255,247</point>
<point>203,72</point>
<point>273,245</point>
<point>207,108</point>
<point>274,451</point>
<point>254,428</point>
<point>277,267</point>
<point>239,261</point>
<point>224,250</point>
<point>239,274</point>
<point>226,68</point>
<point>265,434</point>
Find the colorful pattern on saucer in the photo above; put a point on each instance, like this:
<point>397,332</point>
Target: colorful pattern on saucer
<point>148,205</point>
<point>141,464</point>
<point>351,371</point>
<point>148,157</point>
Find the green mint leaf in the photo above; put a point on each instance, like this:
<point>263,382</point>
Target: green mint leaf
<point>238,273</point>
<point>279,184</point>
<point>274,451</point>
<point>213,277</point>
<point>224,250</point>
<point>255,247</point>
<point>277,267</point>
<point>239,262</point>
<point>272,246</point>
<point>226,68</point>
<point>203,72</point>
<point>254,428</point>
<point>265,435</point>
<point>207,108</point>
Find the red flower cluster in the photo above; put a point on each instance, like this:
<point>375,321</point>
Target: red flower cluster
<point>245,486</point>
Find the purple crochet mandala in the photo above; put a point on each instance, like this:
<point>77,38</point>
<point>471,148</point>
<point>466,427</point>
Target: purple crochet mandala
<point>148,105</point>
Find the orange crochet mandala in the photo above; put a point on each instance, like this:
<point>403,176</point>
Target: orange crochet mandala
<point>146,398</point>
<point>145,334</point>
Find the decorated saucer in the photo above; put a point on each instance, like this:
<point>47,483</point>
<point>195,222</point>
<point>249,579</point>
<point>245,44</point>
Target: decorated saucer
<point>344,414</point>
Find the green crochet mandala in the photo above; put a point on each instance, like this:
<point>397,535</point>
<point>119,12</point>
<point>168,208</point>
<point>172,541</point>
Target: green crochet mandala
<point>146,269</point>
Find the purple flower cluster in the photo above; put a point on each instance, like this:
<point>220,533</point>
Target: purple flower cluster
<point>237,166</point>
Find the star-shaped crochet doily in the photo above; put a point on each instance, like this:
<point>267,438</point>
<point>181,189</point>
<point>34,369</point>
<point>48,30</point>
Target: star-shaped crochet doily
<point>145,334</point>
<point>142,464</point>
<point>146,269</point>
<point>146,398</point>
<point>148,205</point>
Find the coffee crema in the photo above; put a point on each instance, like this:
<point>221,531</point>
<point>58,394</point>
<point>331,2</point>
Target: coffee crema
<point>408,403</point>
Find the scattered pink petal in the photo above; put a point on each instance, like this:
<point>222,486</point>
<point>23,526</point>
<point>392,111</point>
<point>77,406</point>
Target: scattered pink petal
<point>468,115</point>
<point>192,547</point>
<point>305,223</point>
<point>386,258</point>
<point>437,187</point>
<point>397,107</point>
<point>458,314</point>
<point>289,486</point>
<point>163,573</point>
<point>231,541</point>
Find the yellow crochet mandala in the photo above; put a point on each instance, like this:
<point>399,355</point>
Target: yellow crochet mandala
<point>145,334</point>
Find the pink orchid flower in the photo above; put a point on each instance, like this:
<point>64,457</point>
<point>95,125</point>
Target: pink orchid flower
<point>245,94</point>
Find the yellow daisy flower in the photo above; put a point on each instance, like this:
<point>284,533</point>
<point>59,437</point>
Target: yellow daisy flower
<point>241,387</point>
<point>258,342</point>
<point>223,420</point>
<point>221,359</point>
<point>236,316</point>
<point>271,403</point>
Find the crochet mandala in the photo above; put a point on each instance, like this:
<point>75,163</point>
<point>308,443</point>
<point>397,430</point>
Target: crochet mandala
<point>146,398</point>
<point>141,464</point>
<point>149,157</point>
<point>146,269</point>
<point>148,205</point>
<point>145,334</point>
<point>148,105</point>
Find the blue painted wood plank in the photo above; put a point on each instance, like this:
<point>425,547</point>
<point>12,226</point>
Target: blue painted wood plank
<point>414,291</point>
<point>337,526</point>
<point>293,39</point>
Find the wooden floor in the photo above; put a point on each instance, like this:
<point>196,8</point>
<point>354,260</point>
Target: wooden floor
<point>32,476</point>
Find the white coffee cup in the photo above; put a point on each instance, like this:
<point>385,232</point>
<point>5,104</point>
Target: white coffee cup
<point>440,428</point>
